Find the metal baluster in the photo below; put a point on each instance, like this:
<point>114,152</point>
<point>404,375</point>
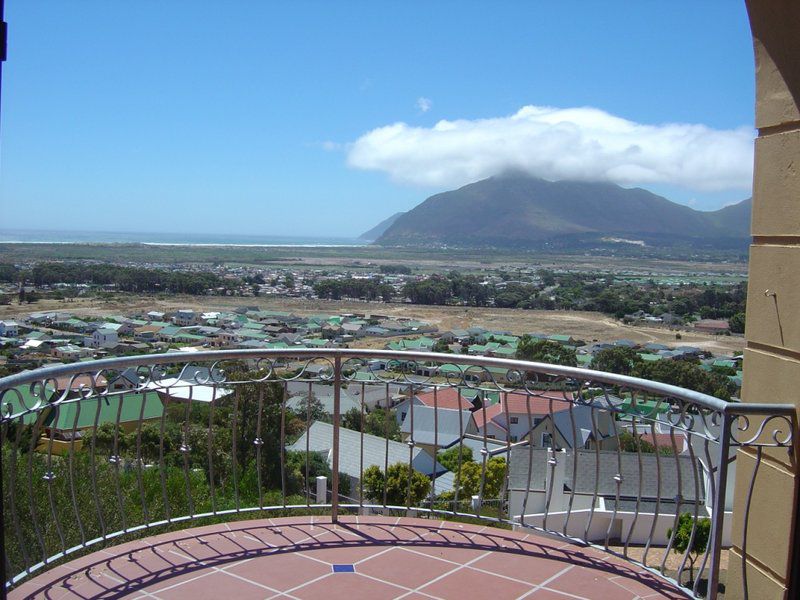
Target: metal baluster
<point>530,450</point>
<point>185,449</point>
<point>162,467</point>
<point>212,485</point>
<point>284,396</point>
<point>678,502</point>
<point>435,442</point>
<point>410,451</point>
<point>617,479</point>
<point>460,448</point>
<point>337,405</point>
<point>751,486</point>
<point>31,496</point>
<point>551,465</point>
<point>308,443</point>
<point>640,472</point>
<point>651,535</point>
<point>93,474</point>
<point>361,451</point>
<point>49,477</point>
<point>235,449</point>
<point>259,442</point>
<point>145,511</point>
<point>12,482</point>
<point>717,518</point>
<point>484,458</point>
<point>115,460</point>
<point>695,516</point>
<point>596,479</point>
<point>386,452</point>
<point>712,494</point>
<point>574,468</point>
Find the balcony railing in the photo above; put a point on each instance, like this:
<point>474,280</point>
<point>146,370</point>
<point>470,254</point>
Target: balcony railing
<point>97,452</point>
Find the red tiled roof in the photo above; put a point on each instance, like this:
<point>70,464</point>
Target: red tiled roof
<point>446,398</point>
<point>481,416</point>
<point>80,380</point>
<point>519,403</point>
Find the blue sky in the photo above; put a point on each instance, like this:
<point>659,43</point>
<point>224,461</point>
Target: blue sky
<point>282,118</point>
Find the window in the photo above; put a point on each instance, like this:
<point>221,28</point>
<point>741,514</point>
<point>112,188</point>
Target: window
<point>513,438</point>
<point>514,420</point>
<point>536,421</point>
<point>403,416</point>
<point>547,440</point>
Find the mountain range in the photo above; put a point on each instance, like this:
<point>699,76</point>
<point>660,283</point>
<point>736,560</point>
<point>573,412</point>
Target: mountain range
<point>516,210</point>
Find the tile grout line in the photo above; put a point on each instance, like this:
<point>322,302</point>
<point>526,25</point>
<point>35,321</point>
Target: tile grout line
<point>440,577</point>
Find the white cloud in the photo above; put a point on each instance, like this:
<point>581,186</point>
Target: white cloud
<point>424,104</point>
<point>552,143</point>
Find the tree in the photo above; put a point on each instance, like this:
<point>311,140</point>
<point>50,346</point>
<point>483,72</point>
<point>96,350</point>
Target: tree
<point>686,375</point>
<point>379,423</point>
<point>683,535</point>
<point>736,323</point>
<point>619,360</point>
<point>546,351</point>
<point>441,346</point>
<point>395,484</point>
<point>468,481</point>
<point>449,458</point>
<point>629,442</point>
<point>352,419</point>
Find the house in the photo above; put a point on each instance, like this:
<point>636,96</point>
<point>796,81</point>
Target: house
<point>436,428</point>
<point>714,326</point>
<point>155,315</point>
<point>574,429</point>
<point>566,340</point>
<point>184,317</point>
<point>104,338</point>
<point>650,489</point>
<point>517,414</point>
<point>67,424</point>
<point>70,352</point>
<point>9,329</point>
<point>355,456</point>
<point>298,402</point>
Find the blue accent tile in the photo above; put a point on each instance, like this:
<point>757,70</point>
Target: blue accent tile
<point>344,568</point>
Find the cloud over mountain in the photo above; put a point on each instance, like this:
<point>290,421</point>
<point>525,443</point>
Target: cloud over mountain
<point>574,143</point>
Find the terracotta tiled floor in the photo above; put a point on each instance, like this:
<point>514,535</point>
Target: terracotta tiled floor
<point>390,557</point>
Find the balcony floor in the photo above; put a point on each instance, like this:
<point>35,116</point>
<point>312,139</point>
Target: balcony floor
<point>361,557</point>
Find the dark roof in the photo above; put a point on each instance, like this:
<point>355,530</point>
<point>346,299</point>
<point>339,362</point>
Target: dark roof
<point>653,476</point>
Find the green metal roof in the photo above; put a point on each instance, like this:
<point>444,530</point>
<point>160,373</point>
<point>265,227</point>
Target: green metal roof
<point>129,407</point>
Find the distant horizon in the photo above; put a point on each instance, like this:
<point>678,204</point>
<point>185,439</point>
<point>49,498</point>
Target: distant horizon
<point>15,235</point>
<point>6,232</point>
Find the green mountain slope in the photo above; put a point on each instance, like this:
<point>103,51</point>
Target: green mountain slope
<point>519,210</point>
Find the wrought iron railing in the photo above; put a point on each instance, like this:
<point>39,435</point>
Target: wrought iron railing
<point>119,447</point>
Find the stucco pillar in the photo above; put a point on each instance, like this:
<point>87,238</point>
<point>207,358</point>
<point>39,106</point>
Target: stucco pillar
<point>772,354</point>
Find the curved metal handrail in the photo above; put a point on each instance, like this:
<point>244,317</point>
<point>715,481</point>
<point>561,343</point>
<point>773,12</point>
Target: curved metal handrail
<point>662,389</point>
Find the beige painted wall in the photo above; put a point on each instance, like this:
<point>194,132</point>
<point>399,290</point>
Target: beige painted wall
<point>772,355</point>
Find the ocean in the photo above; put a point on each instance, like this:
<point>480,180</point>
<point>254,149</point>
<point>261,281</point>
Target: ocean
<point>42,236</point>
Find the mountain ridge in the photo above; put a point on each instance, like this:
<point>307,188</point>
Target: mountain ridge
<point>379,229</point>
<point>517,210</point>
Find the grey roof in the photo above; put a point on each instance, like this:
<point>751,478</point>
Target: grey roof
<point>346,401</point>
<point>666,474</point>
<point>582,418</point>
<point>376,449</point>
<point>449,429</point>
<point>475,443</point>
